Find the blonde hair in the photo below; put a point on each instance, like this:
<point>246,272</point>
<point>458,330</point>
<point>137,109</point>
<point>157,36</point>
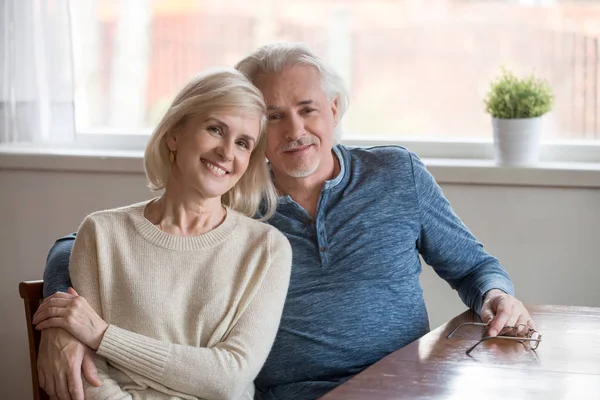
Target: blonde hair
<point>278,56</point>
<point>208,92</point>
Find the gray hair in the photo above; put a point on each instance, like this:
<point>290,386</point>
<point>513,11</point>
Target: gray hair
<point>276,57</point>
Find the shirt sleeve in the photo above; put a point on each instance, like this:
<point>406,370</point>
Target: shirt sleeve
<point>56,273</point>
<point>226,370</point>
<point>85,276</point>
<point>450,248</point>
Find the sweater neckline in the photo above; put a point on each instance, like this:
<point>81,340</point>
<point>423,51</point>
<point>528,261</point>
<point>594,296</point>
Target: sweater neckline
<point>182,243</point>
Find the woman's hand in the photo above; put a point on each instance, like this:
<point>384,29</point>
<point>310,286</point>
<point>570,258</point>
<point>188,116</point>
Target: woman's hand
<point>72,313</point>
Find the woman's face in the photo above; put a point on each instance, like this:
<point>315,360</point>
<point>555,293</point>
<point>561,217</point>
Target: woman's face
<point>213,152</point>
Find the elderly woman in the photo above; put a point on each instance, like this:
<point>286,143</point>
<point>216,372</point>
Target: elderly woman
<point>181,296</point>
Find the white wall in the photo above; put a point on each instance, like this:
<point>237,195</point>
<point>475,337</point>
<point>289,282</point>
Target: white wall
<point>547,238</point>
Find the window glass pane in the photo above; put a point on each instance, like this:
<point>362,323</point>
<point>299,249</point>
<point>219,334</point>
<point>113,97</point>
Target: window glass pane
<point>415,68</point>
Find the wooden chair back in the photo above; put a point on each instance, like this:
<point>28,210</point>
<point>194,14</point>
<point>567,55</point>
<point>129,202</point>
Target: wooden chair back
<point>32,294</point>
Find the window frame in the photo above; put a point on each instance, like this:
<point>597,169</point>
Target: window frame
<point>476,149</point>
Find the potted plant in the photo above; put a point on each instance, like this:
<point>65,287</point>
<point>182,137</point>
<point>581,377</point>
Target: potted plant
<point>517,106</point>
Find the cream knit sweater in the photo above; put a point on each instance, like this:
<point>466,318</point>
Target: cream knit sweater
<point>190,317</point>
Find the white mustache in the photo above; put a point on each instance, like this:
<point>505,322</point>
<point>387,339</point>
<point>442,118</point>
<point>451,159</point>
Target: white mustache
<point>303,141</point>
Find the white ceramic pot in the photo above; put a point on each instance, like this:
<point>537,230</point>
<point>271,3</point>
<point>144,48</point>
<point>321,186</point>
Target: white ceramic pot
<point>517,141</point>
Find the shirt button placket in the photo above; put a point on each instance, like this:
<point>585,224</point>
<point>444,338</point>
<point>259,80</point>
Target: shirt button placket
<point>320,227</point>
<point>322,238</point>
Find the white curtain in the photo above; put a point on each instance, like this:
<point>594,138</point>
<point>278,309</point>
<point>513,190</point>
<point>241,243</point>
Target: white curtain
<point>36,75</point>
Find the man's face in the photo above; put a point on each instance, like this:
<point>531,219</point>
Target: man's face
<point>301,120</point>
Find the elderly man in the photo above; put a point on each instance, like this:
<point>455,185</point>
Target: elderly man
<point>357,220</point>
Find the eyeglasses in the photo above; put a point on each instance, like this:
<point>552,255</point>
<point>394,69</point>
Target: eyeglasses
<point>531,340</point>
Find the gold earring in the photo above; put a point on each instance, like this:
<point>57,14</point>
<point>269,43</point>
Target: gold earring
<point>171,156</point>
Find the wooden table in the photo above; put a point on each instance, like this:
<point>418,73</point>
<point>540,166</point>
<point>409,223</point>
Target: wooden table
<point>566,364</point>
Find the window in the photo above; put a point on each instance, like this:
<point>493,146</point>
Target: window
<point>416,69</point>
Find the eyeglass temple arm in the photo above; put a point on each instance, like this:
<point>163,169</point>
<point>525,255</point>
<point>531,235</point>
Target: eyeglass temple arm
<point>520,339</point>
<point>463,324</point>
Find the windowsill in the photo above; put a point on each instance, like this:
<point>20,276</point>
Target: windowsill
<point>486,172</point>
<point>446,171</point>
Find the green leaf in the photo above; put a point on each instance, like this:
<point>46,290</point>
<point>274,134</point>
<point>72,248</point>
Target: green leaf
<point>512,97</point>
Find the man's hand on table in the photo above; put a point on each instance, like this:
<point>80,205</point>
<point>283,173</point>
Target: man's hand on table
<point>500,310</point>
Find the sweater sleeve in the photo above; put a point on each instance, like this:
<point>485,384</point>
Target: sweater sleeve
<point>56,273</point>
<point>85,277</point>
<point>226,370</point>
<point>450,248</point>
